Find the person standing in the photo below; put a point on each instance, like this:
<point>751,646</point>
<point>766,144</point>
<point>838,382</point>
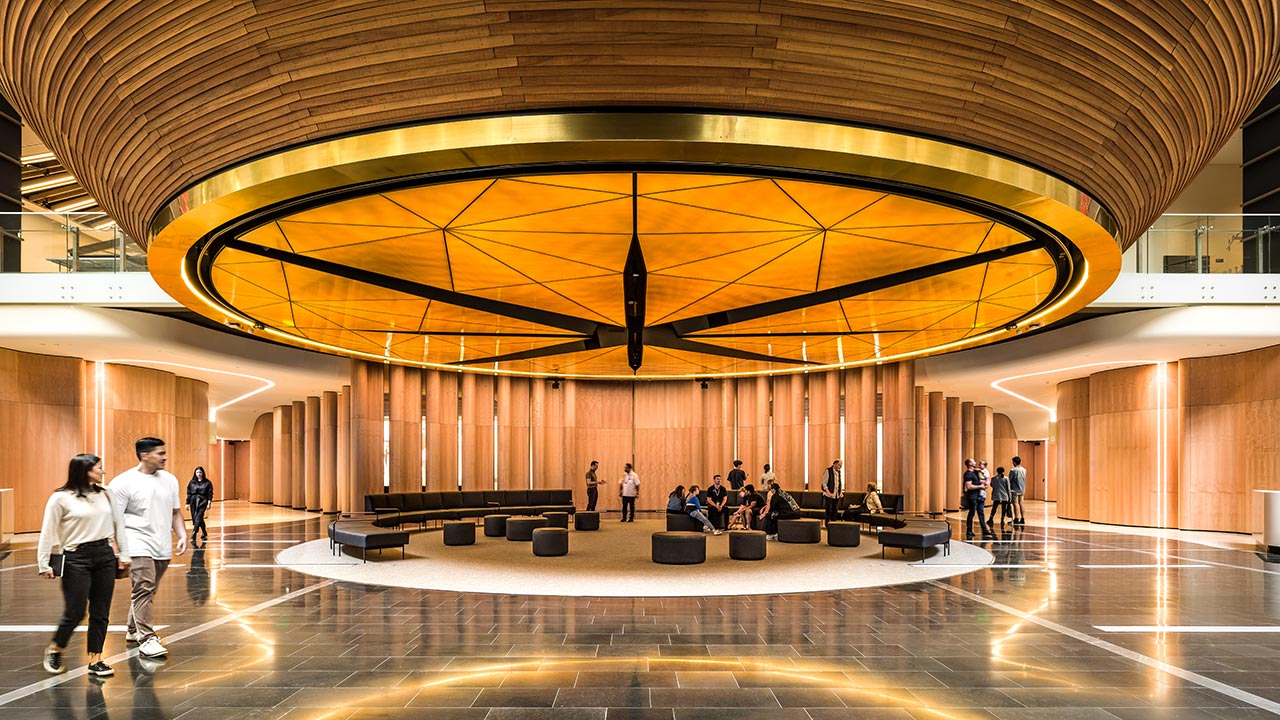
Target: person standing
<point>199,498</point>
<point>717,499</point>
<point>832,491</point>
<point>1017,488</point>
<point>999,498</point>
<point>737,476</point>
<point>147,496</point>
<point>593,486</point>
<point>81,519</point>
<point>975,495</point>
<point>767,477</point>
<point>628,489</point>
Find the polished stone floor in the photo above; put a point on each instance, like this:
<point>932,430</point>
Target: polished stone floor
<point>1071,622</point>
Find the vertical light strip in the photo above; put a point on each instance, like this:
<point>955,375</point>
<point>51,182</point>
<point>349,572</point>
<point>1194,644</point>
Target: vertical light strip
<point>458,408</point>
<point>422,449</point>
<point>806,433</point>
<point>100,412</point>
<point>769,401</point>
<point>386,454</point>
<point>1162,469</point>
<point>495,435</point>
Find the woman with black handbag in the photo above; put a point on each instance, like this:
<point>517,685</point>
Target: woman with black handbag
<point>81,519</point>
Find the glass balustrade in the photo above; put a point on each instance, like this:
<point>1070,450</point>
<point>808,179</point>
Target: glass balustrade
<point>73,242</point>
<point>1183,243</point>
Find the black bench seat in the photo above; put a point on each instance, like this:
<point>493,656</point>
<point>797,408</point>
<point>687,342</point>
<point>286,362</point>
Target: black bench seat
<point>920,534</point>
<point>365,535</point>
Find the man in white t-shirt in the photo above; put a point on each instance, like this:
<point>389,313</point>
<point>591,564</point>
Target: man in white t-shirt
<point>148,497</point>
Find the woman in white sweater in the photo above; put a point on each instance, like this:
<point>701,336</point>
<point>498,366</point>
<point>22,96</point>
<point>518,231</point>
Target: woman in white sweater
<point>81,519</point>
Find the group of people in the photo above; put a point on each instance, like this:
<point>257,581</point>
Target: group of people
<point>104,532</point>
<point>1006,492</point>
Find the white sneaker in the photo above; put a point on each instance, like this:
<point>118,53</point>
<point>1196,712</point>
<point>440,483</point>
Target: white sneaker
<point>131,637</point>
<point>771,537</point>
<point>152,648</point>
<point>718,532</point>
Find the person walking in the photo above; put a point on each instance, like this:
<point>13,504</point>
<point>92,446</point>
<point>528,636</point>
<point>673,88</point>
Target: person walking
<point>737,476</point>
<point>1017,488</point>
<point>832,491</point>
<point>199,498</point>
<point>147,497</point>
<point>628,489</point>
<point>593,486</point>
<point>81,519</point>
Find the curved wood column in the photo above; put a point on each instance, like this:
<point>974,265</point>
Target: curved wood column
<point>329,452</point>
<point>1074,492</point>
<point>282,456</point>
<point>261,453</point>
<point>861,427</point>
<point>938,464</point>
<point>404,459</point>
<point>955,454</point>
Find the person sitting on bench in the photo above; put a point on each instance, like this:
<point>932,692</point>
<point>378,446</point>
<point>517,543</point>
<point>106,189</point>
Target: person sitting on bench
<point>693,506</point>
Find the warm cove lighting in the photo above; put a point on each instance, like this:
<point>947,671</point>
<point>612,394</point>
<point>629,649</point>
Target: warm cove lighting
<point>1053,412</point>
<point>213,411</point>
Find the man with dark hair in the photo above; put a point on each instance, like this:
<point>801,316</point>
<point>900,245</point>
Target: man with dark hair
<point>1017,488</point>
<point>593,486</point>
<point>717,499</point>
<point>832,491</point>
<point>737,476</point>
<point>148,498</point>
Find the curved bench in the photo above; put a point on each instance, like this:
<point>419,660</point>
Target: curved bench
<point>922,534</point>
<point>366,536</point>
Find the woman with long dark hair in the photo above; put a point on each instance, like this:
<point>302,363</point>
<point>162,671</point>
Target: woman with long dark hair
<point>199,497</point>
<point>81,519</point>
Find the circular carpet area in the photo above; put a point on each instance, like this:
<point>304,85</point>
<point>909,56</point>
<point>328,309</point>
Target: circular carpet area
<point>615,562</point>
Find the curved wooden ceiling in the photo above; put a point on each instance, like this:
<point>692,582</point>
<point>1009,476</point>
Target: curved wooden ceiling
<point>1127,101</point>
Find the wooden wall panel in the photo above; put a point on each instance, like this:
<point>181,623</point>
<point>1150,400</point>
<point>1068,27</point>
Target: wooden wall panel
<point>298,465</point>
<point>824,425</point>
<point>442,429</point>
<point>347,500</point>
<point>937,452</point>
<point>716,426</point>
<point>1230,430</point>
<point>967,450</point>
<point>44,396</point>
<point>897,383</point>
<point>189,446</point>
<point>955,454</point>
<point>754,448</point>
<point>261,452</point>
<point>514,466</point>
<point>788,431</point>
<point>404,451</point>
<point>1033,459</point>
<point>1004,440</point>
<point>598,425</point>
<point>368,392</point>
<point>329,452</point>
<point>1073,426</point>
<point>920,485</point>
<point>669,438</point>
<point>1132,457</point>
<point>139,403</point>
<point>311,454</point>
<point>478,461</point>
<point>216,471</point>
<point>282,456</point>
<point>242,451</point>
<point>983,438</point>
<point>861,427</point>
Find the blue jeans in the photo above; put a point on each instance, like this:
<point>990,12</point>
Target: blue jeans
<point>976,505</point>
<point>697,515</point>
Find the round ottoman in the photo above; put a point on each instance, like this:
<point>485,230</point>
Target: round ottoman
<point>550,541</point>
<point>799,531</point>
<point>496,525</point>
<point>586,520</point>
<point>521,528</point>
<point>679,548</point>
<point>747,545</point>
<point>843,534</point>
<point>557,519</point>
<point>459,532</point>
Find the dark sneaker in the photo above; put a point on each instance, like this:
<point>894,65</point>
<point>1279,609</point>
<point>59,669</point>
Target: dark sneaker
<point>101,669</point>
<point>53,662</point>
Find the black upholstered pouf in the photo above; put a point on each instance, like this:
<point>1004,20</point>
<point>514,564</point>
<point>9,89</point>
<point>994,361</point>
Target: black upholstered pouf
<point>679,548</point>
<point>680,522</point>
<point>521,528</point>
<point>747,545</point>
<point>800,531</point>
<point>843,534</point>
<point>557,519</point>
<point>551,541</point>
<point>586,520</point>
<point>496,525</point>
<point>459,532</point>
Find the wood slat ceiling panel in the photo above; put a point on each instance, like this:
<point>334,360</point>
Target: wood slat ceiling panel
<point>1126,100</point>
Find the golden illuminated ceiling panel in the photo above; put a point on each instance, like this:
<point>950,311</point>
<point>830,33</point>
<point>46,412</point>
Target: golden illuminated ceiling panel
<point>590,256</point>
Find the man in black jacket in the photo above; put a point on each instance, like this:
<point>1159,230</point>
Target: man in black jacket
<point>832,490</point>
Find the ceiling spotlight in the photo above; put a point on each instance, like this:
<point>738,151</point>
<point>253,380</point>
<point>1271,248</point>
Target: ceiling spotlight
<point>704,384</point>
<point>555,384</point>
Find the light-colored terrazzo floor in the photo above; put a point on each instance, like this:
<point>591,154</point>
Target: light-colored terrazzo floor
<point>615,562</point>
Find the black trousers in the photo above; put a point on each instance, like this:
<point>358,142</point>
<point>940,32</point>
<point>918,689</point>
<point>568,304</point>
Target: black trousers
<point>88,576</point>
<point>197,521</point>
<point>718,518</point>
<point>593,494</point>
<point>628,503</point>
<point>832,507</point>
<point>771,522</point>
